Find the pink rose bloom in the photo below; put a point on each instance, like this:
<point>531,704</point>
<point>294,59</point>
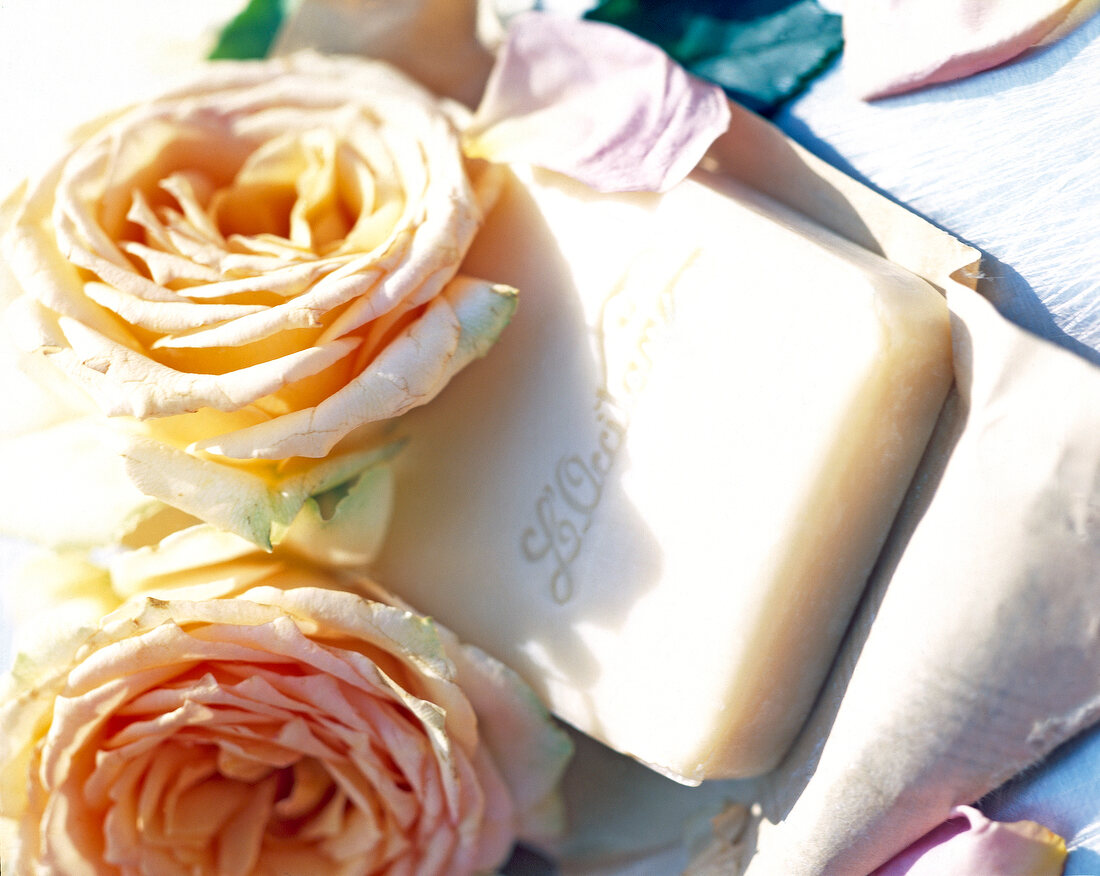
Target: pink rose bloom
<point>256,721</point>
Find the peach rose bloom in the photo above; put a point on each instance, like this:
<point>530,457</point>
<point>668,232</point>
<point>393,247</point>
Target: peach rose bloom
<point>244,273</point>
<point>245,718</point>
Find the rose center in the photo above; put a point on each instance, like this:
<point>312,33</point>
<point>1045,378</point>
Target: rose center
<point>303,188</point>
<point>303,792</point>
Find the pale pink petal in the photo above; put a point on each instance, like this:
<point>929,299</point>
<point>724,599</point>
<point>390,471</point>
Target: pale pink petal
<point>968,843</point>
<point>893,46</point>
<point>595,103</point>
<point>514,726</point>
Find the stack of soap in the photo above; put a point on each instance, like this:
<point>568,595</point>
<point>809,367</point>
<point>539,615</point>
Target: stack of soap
<point>660,496</point>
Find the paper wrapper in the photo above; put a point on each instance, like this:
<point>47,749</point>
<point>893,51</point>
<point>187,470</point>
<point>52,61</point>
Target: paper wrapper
<point>976,648</point>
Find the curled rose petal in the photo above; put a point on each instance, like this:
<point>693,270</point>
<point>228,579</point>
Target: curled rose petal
<point>969,843</point>
<point>893,46</point>
<point>245,273</point>
<point>254,716</point>
<point>595,103</point>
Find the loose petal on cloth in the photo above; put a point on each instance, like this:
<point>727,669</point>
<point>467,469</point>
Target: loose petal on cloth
<point>893,46</point>
<point>968,843</point>
<point>595,103</point>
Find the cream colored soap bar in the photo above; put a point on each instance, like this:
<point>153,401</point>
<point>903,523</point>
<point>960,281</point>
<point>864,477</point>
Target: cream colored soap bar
<point>659,497</point>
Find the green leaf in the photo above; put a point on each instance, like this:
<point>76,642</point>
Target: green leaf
<point>251,33</point>
<point>762,52</point>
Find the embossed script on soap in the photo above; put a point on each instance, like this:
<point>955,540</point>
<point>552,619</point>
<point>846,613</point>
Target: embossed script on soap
<point>634,324</point>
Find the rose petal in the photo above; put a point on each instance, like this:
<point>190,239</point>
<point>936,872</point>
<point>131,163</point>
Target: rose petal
<point>52,599</point>
<point>893,46</point>
<point>165,316</point>
<point>180,552</point>
<point>457,326</point>
<point>233,499</point>
<point>969,843</point>
<point>129,384</point>
<point>247,503</point>
<point>352,533</point>
<point>515,726</point>
<point>597,104</point>
<point>99,503</point>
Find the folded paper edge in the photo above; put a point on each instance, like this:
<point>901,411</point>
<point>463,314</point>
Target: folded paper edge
<point>763,157</point>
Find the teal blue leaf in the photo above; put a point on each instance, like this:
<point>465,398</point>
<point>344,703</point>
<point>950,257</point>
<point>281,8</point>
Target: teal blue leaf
<point>251,33</point>
<point>762,52</point>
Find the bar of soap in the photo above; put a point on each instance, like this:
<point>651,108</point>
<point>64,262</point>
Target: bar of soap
<point>660,496</point>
